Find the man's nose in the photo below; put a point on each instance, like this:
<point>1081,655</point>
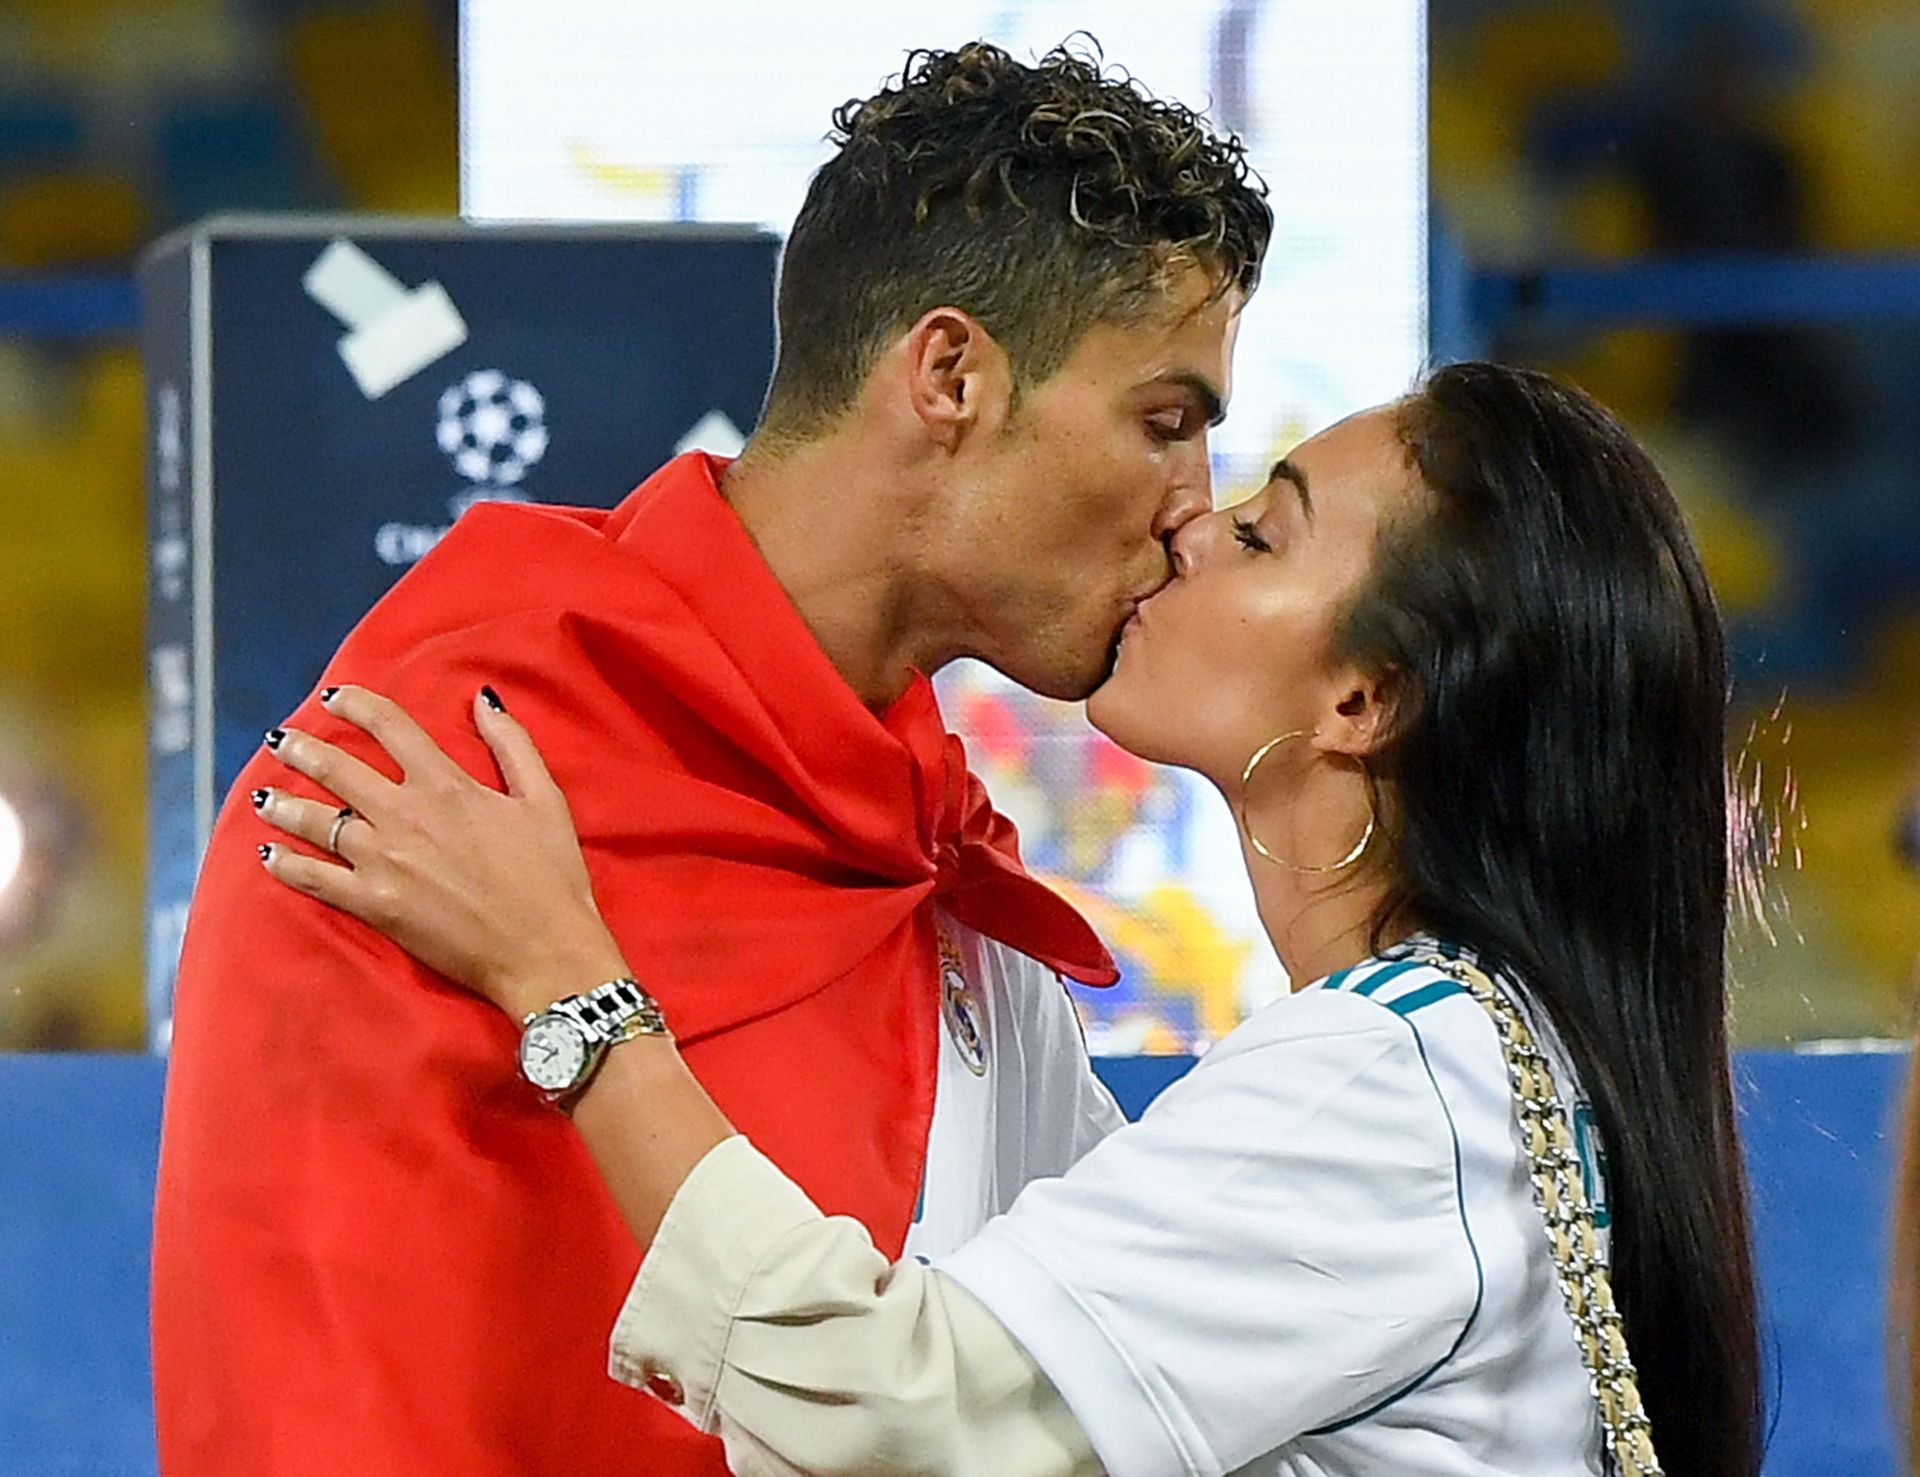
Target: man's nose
<point>1186,544</point>
<point>1185,501</point>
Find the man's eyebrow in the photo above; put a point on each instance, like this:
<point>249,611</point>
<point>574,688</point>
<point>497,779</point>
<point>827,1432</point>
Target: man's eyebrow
<point>1202,390</point>
<point>1293,474</point>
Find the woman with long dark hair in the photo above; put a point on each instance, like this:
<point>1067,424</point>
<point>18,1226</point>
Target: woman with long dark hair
<point>1459,674</point>
<point>1562,804</point>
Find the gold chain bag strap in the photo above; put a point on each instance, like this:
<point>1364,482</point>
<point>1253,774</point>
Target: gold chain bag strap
<point>1560,1191</point>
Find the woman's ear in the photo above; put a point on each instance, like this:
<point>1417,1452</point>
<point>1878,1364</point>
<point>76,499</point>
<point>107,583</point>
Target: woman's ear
<point>1361,716</point>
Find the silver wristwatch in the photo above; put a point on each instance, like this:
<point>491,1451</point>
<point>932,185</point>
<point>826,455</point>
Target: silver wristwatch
<point>562,1046</point>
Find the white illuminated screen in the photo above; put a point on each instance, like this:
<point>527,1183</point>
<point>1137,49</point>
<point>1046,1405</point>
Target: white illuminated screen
<point>13,845</point>
<point>603,110</point>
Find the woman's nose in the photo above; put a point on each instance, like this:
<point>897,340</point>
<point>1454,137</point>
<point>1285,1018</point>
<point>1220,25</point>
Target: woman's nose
<point>1200,540</point>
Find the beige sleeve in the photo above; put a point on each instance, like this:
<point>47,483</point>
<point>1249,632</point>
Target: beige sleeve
<point>786,1333</point>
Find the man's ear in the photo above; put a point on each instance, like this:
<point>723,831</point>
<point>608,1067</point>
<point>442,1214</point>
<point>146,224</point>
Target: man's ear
<point>957,376</point>
<point>1361,714</point>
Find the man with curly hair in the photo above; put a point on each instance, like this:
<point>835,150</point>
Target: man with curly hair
<point>1006,320</point>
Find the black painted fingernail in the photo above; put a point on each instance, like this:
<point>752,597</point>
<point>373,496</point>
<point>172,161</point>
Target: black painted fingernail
<point>266,852</point>
<point>274,736</point>
<point>493,699</point>
<point>259,798</point>
<point>327,694</point>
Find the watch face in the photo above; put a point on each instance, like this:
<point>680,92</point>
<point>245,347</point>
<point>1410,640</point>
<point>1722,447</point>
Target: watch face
<point>553,1053</point>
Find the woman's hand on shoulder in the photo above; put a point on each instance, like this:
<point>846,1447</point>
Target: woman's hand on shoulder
<point>488,888</point>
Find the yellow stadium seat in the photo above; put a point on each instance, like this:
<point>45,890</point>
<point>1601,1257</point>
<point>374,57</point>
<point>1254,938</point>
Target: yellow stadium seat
<point>74,218</point>
<point>378,87</point>
<point>1851,122</point>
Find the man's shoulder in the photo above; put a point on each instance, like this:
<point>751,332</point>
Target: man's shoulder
<point>500,562</point>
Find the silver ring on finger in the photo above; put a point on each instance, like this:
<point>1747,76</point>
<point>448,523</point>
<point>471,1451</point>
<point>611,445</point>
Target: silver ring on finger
<point>347,813</point>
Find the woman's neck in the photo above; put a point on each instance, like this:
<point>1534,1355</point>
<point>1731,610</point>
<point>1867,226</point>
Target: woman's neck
<point>1321,923</point>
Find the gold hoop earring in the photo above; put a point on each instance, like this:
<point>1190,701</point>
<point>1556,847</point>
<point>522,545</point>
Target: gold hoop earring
<point>1246,824</point>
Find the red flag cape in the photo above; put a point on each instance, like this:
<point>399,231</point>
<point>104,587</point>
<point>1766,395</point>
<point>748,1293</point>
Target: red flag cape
<point>375,1250</point>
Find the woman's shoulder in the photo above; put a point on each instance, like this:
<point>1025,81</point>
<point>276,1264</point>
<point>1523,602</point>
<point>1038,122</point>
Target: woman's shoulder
<point>1399,1022</point>
<point>1405,980</point>
<point>1376,996</point>
<point>1378,1047</point>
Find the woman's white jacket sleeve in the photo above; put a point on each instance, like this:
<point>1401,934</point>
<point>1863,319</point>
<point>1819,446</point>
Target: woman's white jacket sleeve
<point>788,1335</point>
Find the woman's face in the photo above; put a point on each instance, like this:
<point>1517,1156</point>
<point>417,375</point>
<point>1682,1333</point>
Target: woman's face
<point>1236,649</point>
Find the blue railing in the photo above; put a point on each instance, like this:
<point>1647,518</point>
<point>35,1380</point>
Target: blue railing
<point>1700,292</point>
<point>1693,292</point>
<point>62,309</point>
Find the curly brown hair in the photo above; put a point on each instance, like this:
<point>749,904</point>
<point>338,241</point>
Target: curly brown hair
<point>1040,199</point>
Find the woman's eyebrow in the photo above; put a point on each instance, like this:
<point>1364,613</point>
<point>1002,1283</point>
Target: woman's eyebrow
<point>1293,474</point>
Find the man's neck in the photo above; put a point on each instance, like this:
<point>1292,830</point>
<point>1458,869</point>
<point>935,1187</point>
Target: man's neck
<point>845,544</point>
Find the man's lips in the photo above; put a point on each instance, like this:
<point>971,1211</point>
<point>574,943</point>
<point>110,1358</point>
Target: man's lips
<point>1133,609</point>
<point>1137,606</point>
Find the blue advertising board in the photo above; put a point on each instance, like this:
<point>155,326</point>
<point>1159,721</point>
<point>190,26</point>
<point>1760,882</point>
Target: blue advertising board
<point>327,395</point>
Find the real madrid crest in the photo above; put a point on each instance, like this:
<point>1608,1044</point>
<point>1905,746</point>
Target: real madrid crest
<point>966,1020</point>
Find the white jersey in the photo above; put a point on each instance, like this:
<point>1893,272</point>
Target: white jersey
<point>1016,1098</point>
<point>1316,1255</point>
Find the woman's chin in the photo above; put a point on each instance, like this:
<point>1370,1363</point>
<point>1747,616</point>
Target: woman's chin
<point>1116,709</point>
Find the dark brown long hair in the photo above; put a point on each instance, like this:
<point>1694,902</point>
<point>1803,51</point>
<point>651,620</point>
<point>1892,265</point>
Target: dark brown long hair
<point>1560,804</point>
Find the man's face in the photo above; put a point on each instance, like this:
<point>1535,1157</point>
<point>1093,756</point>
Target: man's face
<point>1071,507</point>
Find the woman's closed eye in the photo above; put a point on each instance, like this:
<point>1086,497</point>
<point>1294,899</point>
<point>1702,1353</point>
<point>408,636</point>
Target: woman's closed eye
<point>1247,534</point>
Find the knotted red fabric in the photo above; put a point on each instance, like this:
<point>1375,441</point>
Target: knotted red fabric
<point>376,1251</point>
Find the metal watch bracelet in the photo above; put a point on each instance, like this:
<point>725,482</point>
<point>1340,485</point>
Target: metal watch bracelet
<point>607,1015</point>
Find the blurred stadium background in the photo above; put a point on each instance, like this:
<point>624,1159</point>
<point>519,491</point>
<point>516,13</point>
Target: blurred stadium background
<point>117,122</point>
<point>1603,173</point>
<point>1576,133</point>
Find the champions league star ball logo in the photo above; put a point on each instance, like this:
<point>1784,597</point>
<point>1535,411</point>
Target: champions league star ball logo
<point>495,430</point>
<point>493,427</point>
